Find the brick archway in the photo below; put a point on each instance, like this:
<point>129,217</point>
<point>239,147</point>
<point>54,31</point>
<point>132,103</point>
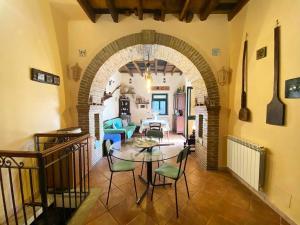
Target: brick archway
<point>210,160</point>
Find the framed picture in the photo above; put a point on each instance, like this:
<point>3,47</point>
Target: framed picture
<point>44,77</point>
<point>49,79</point>
<point>41,77</point>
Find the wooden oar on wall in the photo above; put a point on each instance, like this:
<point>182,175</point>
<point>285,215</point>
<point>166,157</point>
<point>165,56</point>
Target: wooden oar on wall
<point>276,109</point>
<point>244,113</point>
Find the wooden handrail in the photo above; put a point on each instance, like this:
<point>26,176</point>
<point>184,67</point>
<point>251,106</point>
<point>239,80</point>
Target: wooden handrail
<point>64,145</point>
<point>59,134</point>
<point>49,151</point>
<point>20,154</point>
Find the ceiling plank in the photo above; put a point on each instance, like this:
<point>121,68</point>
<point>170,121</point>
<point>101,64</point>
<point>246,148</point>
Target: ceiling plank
<point>113,11</point>
<point>140,9</point>
<point>128,70</point>
<point>137,67</point>
<point>209,7</point>
<point>236,9</point>
<point>89,11</point>
<point>184,10</point>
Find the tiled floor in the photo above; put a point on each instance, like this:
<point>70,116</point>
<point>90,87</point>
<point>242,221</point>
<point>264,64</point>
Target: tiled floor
<point>216,199</point>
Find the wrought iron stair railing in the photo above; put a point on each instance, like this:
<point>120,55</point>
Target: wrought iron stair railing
<point>44,186</point>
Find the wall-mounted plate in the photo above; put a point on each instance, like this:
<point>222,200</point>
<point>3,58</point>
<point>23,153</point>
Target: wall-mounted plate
<point>292,88</point>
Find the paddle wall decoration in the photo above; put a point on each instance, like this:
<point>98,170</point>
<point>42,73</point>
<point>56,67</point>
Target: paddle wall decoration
<point>244,113</point>
<point>276,109</point>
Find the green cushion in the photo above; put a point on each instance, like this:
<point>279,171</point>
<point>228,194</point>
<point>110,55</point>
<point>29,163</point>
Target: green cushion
<point>122,166</point>
<point>114,131</point>
<point>168,170</point>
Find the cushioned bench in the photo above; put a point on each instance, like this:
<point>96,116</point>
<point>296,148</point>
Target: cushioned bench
<point>117,126</point>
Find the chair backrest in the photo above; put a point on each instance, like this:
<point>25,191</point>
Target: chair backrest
<point>183,156</point>
<point>155,134</point>
<point>155,126</point>
<point>107,152</point>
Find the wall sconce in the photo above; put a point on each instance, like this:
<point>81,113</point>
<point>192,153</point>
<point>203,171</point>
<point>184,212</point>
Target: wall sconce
<point>223,76</point>
<point>130,81</point>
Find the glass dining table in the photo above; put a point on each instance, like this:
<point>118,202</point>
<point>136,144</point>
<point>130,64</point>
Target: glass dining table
<point>147,151</point>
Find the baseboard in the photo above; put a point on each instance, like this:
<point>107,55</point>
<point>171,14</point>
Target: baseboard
<point>261,195</point>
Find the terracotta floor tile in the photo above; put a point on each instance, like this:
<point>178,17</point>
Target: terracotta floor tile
<point>125,211</point>
<point>105,219</point>
<point>217,198</point>
<point>96,211</point>
<point>142,219</point>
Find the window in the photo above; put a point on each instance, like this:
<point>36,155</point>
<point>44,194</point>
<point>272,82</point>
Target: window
<point>160,103</point>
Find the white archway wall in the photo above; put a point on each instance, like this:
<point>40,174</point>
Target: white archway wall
<point>139,52</point>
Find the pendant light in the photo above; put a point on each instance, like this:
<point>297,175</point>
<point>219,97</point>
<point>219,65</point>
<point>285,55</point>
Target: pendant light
<point>148,76</point>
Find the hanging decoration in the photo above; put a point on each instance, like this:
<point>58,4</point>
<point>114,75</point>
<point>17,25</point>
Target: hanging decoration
<point>148,76</point>
<point>223,76</point>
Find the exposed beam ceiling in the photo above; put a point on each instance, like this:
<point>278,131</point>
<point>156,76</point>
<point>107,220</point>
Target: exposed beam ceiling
<point>237,8</point>
<point>159,8</point>
<point>156,66</point>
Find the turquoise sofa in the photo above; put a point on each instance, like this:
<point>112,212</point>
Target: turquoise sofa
<point>115,126</point>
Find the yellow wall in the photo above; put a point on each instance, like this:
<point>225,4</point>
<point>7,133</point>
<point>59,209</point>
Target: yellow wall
<point>203,36</point>
<point>283,167</point>
<point>27,40</point>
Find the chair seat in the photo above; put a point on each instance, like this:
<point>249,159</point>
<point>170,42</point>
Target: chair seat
<point>168,170</point>
<point>122,166</point>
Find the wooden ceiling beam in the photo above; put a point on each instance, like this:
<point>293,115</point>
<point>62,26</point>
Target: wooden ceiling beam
<point>163,11</point>
<point>89,11</point>
<point>112,10</point>
<point>137,67</point>
<point>189,17</point>
<point>173,70</point>
<point>128,70</point>
<point>165,68</point>
<point>236,9</point>
<point>140,9</point>
<point>184,10</point>
<point>208,8</point>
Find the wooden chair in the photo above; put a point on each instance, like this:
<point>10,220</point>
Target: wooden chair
<point>155,126</point>
<point>119,166</point>
<point>174,172</point>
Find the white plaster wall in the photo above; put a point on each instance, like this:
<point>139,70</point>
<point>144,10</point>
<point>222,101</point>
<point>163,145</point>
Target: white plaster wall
<point>139,84</point>
<point>111,105</point>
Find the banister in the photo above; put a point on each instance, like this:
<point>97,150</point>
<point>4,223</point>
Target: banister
<point>64,145</point>
<point>20,154</point>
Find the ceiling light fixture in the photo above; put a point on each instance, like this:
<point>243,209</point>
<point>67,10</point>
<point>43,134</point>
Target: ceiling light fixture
<point>148,76</point>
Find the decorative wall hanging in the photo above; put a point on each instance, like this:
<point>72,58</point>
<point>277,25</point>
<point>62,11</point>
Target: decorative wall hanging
<point>44,77</point>
<point>244,113</point>
<point>82,52</point>
<point>292,88</point>
<point>223,76</point>
<point>160,88</point>
<point>76,72</point>
<point>261,53</point>
<point>276,109</point>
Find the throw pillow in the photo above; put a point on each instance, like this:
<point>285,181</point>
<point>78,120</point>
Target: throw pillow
<point>117,125</point>
<point>124,123</point>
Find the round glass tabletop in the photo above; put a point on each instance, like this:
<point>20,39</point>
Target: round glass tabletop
<point>133,150</point>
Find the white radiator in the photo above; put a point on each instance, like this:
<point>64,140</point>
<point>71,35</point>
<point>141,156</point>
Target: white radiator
<point>247,160</point>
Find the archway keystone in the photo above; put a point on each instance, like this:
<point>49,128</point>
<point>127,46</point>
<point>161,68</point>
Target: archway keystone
<point>151,37</point>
